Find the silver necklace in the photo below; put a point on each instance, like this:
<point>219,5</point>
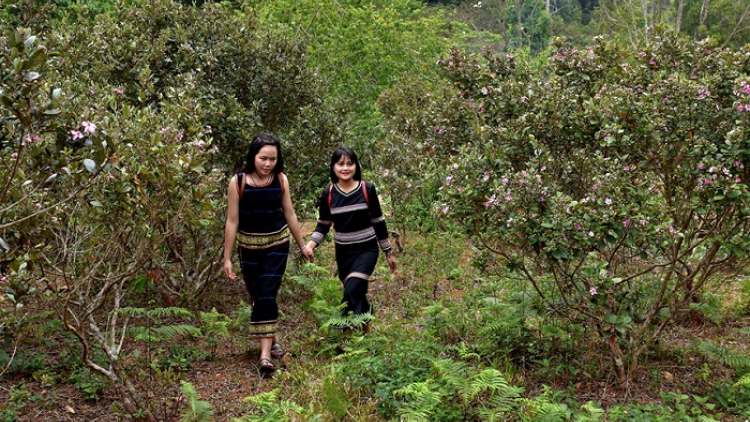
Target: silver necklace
<point>256,183</point>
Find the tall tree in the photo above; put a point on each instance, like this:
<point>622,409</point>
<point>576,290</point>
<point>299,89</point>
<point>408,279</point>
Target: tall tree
<point>727,21</point>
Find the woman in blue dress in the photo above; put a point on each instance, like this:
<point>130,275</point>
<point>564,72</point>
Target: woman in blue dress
<point>260,218</point>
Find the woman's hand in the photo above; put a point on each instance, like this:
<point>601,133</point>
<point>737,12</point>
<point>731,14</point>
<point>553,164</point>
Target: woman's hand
<point>307,252</point>
<point>228,270</point>
<point>391,262</point>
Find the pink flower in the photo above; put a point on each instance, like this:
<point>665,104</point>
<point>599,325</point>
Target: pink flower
<point>608,201</point>
<point>509,197</point>
<point>626,223</point>
<point>76,134</point>
<point>505,181</point>
<point>523,99</point>
<point>444,210</point>
<point>593,291</point>
<point>643,222</point>
<point>671,230</point>
<point>577,227</point>
<point>3,279</point>
<point>118,91</point>
<point>486,176</point>
<point>665,100</point>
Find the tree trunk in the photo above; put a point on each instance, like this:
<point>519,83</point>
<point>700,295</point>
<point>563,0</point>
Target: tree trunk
<point>618,360</point>
<point>678,19</point>
<point>520,22</point>
<point>702,18</point>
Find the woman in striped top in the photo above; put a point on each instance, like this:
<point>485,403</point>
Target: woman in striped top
<point>260,217</point>
<point>353,209</point>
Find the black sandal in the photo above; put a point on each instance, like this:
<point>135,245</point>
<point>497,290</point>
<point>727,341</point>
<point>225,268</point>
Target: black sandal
<point>277,352</point>
<point>266,366</point>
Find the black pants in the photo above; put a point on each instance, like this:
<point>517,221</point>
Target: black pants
<point>356,263</point>
<point>262,270</point>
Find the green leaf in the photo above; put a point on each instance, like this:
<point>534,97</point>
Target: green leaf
<point>32,76</point>
<point>97,204</point>
<point>90,165</point>
<point>559,253</point>
<point>29,42</point>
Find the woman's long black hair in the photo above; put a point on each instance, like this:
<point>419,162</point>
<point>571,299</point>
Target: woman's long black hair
<point>261,140</point>
<point>345,152</point>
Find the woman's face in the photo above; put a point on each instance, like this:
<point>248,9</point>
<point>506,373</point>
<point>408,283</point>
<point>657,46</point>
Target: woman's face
<point>344,169</point>
<point>265,160</point>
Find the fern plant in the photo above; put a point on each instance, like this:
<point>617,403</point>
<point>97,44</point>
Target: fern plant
<point>198,410</point>
<point>269,407</point>
<point>744,382</point>
<point>484,394</point>
<point>152,332</point>
<point>545,408</point>
<point>726,356</point>
<point>156,330</point>
<point>215,327</point>
<point>710,307</point>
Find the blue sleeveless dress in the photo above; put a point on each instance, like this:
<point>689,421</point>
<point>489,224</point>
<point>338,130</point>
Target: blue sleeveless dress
<point>263,244</point>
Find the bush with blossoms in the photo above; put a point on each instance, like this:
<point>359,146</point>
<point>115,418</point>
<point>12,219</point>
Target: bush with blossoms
<point>119,136</point>
<point>613,181</point>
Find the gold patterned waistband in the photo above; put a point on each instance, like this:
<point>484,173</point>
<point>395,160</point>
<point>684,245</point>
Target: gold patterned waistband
<point>263,241</point>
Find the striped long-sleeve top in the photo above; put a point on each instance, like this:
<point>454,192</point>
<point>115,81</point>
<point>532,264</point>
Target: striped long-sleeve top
<point>353,220</point>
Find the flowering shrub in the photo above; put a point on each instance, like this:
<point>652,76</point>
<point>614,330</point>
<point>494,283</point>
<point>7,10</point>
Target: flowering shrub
<point>615,181</point>
<point>118,144</point>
